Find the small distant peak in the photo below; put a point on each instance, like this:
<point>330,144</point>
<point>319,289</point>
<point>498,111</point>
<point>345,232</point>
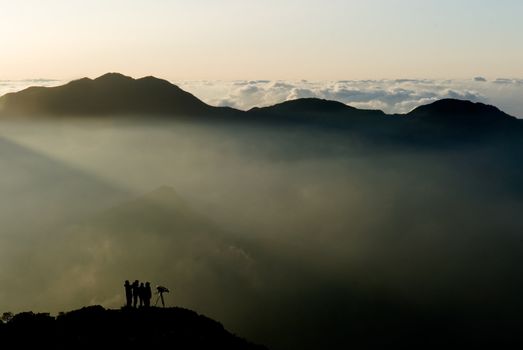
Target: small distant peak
<point>154,80</point>
<point>450,105</point>
<point>150,77</point>
<point>459,110</point>
<point>456,104</point>
<point>113,77</point>
<point>309,105</point>
<point>316,102</point>
<point>79,82</point>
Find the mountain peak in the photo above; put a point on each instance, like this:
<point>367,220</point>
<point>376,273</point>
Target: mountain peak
<point>320,112</point>
<point>109,94</point>
<point>307,105</point>
<point>113,76</point>
<point>454,110</point>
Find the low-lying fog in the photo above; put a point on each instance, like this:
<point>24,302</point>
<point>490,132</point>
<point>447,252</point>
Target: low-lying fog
<point>289,237</point>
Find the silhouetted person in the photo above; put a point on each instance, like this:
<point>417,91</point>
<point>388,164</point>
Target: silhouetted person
<point>141,294</point>
<point>148,294</point>
<point>128,293</point>
<point>136,292</point>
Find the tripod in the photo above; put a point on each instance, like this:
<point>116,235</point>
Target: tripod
<point>159,297</point>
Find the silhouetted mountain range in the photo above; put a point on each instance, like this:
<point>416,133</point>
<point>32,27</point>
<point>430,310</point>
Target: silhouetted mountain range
<point>115,94</point>
<point>443,122</point>
<point>95,326</point>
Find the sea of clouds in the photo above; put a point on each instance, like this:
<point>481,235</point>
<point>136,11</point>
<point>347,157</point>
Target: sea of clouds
<point>391,96</point>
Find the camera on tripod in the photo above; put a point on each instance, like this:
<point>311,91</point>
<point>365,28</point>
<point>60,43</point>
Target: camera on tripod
<point>162,289</point>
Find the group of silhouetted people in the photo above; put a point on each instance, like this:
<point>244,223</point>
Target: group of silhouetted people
<point>138,294</point>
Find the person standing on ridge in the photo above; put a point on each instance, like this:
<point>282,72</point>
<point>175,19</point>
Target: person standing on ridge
<point>148,294</point>
<point>136,292</point>
<point>128,293</point>
<point>141,294</point>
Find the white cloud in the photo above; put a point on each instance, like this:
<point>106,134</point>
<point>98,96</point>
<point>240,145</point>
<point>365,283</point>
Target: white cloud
<point>391,96</point>
<point>7,86</point>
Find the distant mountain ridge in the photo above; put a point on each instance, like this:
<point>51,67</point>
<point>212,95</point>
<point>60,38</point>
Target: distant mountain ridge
<point>111,93</point>
<point>307,105</point>
<point>115,94</point>
<point>451,110</point>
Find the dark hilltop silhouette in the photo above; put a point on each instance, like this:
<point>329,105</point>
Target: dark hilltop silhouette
<point>457,111</point>
<point>313,106</point>
<point>93,327</point>
<point>111,93</point>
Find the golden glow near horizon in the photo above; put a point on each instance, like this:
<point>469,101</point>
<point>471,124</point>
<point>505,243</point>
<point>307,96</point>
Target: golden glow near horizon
<point>237,39</point>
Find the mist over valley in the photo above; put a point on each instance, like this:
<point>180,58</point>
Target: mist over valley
<point>307,224</point>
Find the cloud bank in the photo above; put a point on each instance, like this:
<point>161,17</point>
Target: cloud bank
<point>7,86</point>
<point>391,96</point>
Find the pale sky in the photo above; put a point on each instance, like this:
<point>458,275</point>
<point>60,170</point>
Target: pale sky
<point>262,39</point>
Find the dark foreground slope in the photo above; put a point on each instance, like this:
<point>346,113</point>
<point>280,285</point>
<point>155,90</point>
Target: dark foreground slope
<point>95,326</point>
